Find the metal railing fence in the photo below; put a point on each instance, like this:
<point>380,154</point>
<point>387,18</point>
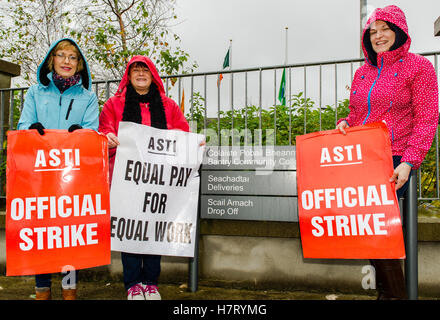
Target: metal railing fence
<point>244,106</point>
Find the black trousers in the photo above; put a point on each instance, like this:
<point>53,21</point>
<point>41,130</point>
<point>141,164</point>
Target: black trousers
<point>390,282</point>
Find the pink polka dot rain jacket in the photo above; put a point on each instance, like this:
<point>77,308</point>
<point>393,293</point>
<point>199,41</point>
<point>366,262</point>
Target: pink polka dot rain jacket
<point>399,88</point>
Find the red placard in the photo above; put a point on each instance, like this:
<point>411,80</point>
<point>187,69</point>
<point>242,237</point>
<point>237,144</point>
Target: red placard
<point>57,201</point>
<point>347,206</point>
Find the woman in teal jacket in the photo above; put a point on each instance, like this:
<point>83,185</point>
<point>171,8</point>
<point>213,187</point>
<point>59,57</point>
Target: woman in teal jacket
<point>62,99</point>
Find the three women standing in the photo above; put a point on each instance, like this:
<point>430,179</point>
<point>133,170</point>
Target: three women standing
<point>394,86</point>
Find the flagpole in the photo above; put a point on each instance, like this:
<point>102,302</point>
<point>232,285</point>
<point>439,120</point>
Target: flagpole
<point>231,93</point>
<point>230,54</point>
<point>285,58</point>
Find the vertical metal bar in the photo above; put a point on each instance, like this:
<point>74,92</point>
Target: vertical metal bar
<point>336,94</point>
<point>231,95</point>
<point>96,90</point>
<point>192,98</point>
<point>320,97</point>
<point>305,100</point>
<point>275,104</point>
<point>2,116</point>
<point>437,164</point>
<point>21,100</point>
<point>11,111</point>
<point>193,268</point>
<point>290,106</point>
<point>260,98</point>
<point>179,93</point>
<point>193,263</point>
<point>107,90</point>
<point>436,141</point>
<point>411,261</point>
<point>246,108</point>
<point>218,111</point>
<point>205,95</point>
<point>351,71</point>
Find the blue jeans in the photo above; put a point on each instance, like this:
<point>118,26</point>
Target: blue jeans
<point>45,280</point>
<point>137,268</point>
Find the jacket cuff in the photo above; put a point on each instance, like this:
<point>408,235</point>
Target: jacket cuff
<point>411,165</point>
<point>340,120</point>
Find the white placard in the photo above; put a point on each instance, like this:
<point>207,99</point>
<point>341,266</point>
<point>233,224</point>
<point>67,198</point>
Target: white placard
<point>154,191</point>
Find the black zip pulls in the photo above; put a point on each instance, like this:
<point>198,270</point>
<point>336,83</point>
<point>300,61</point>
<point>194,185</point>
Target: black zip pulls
<point>73,127</point>
<point>69,109</point>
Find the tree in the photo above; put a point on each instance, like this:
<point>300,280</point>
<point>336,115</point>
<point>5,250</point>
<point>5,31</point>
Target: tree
<point>109,32</point>
<point>30,26</point>
<point>114,30</point>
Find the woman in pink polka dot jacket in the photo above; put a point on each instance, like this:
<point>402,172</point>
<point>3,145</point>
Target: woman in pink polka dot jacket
<point>399,88</point>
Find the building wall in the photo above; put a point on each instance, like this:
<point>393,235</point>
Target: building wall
<point>276,262</point>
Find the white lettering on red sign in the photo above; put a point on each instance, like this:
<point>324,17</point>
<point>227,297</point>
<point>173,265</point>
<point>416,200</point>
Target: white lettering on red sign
<point>341,155</point>
<point>53,207</point>
<point>352,225</point>
<point>58,237</point>
<point>56,159</point>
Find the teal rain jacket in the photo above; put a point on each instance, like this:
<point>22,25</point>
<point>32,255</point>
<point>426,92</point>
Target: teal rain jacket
<point>44,102</point>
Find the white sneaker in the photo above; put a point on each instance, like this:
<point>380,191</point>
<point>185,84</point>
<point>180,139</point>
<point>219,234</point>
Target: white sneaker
<point>151,292</point>
<point>136,292</point>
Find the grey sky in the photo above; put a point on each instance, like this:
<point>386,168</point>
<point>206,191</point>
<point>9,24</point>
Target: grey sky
<point>318,30</point>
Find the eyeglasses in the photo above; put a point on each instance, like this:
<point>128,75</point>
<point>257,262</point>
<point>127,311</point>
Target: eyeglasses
<point>61,56</point>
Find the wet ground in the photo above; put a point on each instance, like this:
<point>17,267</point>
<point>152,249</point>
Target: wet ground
<point>107,297</point>
<point>22,288</point>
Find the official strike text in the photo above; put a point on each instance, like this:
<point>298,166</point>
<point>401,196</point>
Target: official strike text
<point>330,225</point>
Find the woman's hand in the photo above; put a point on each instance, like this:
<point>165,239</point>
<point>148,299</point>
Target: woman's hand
<point>113,140</point>
<point>342,126</point>
<point>37,126</point>
<point>401,174</point>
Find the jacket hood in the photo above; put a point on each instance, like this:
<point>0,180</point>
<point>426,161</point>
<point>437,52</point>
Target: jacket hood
<point>396,19</point>
<point>156,78</point>
<point>43,69</point>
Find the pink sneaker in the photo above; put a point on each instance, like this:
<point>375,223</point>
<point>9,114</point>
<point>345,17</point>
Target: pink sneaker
<point>136,292</point>
<point>151,292</point>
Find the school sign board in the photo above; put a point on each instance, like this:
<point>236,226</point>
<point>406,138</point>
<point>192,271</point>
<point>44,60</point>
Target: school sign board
<point>347,206</point>
<point>154,191</point>
<point>57,201</point>
<point>249,183</point>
